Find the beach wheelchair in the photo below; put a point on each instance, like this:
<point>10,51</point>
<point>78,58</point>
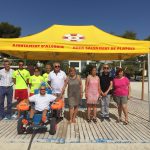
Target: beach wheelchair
<point>53,117</point>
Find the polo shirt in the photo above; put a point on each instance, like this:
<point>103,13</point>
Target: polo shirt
<point>57,81</point>
<point>105,82</point>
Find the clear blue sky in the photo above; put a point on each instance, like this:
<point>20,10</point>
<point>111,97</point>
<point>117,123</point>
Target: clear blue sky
<point>110,15</point>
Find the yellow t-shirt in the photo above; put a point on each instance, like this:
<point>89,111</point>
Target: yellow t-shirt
<point>35,82</point>
<point>20,83</point>
<point>45,76</point>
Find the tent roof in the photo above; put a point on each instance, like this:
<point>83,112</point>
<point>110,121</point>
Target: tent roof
<point>60,42</point>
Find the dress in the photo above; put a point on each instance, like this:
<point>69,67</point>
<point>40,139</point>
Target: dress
<point>92,89</point>
<point>74,91</point>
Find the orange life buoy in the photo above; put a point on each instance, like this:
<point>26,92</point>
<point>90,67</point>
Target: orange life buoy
<point>23,106</point>
<point>58,104</point>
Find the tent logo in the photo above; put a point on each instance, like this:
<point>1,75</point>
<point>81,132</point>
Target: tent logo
<point>74,37</point>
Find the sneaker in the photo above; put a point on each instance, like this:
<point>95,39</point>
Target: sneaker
<point>14,116</point>
<point>108,119</point>
<point>88,120</point>
<point>5,118</point>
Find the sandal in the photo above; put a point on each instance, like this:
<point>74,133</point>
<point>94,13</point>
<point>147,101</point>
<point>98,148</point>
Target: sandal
<point>88,120</point>
<point>94,120</point>
<point>125,122</point>
<point>119,120</point>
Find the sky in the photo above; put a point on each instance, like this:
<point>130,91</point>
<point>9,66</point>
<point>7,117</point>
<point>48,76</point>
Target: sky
<point>113,16</point>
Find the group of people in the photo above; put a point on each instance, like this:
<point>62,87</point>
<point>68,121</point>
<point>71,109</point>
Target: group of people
<point>97,88</point>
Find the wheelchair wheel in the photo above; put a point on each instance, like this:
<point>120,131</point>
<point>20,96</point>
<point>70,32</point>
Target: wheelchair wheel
<point>53,124</point>
<point>20,128</point>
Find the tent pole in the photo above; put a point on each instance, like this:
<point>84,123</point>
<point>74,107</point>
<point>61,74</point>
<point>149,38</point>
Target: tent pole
<point>120,64</point>
<point>143,74</point>
<point>149,83</point>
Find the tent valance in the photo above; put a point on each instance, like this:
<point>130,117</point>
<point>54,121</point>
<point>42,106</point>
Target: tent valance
<point>73,43</point>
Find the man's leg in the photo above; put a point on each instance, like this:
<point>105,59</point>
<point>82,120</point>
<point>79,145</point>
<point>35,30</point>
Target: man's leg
<point>32,112</point>
<point>9,95</point>
<point>107,101</point>
<point>2,98</point>
<point>103,107</point>
<point>23,95</point>
<point>44,115</point>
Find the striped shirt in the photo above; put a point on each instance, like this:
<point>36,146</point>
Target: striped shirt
<point>6,77</point>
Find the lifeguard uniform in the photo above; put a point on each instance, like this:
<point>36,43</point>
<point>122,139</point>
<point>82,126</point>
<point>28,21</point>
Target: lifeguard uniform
<point>21,87</point>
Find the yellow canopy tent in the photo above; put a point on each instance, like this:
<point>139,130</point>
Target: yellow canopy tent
<point>73,43</point>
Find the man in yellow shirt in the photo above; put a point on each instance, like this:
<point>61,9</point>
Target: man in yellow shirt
<point>48,70</point>
<point>21,81</point>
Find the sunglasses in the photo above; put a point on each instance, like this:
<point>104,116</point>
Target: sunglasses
<point>42,89</point>
<point>57,66</point>
<point>106,68</point>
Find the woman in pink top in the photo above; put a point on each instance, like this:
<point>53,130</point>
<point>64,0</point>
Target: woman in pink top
<point>121,94</point>
<point>92,93</point>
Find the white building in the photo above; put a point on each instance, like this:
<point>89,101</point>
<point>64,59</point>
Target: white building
<point>79,65</point>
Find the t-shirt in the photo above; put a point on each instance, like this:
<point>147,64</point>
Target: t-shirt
<point>20,83</point>
<point>35,82</point>
<point>121,86</point>
<point>105,82</point>
<point>42,101</point>
<point>45,76</point>
<point>57,81</point>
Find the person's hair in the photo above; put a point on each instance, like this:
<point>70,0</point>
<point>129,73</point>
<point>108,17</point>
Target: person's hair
<point>6,61</point>
<point>37,68</point>
<point>93,67</point>
<point>118,71</point>
<point>21,61</point>
<point>72,68</point>
<point>42,86</point>
<point>55,63</point>
<point>47,64</point>
<point>105,65</point>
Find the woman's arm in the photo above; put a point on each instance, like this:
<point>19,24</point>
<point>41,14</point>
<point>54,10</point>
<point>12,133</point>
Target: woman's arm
<point>99,87</point>
<point>86,86</point>
<point>65,85</point>
<point>81,87</point>
<point>129,88</point>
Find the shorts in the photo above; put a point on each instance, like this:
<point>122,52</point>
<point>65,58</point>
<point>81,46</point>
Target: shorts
<point>31,94</point>
<point>121,99</point>
<point>21,94</point>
